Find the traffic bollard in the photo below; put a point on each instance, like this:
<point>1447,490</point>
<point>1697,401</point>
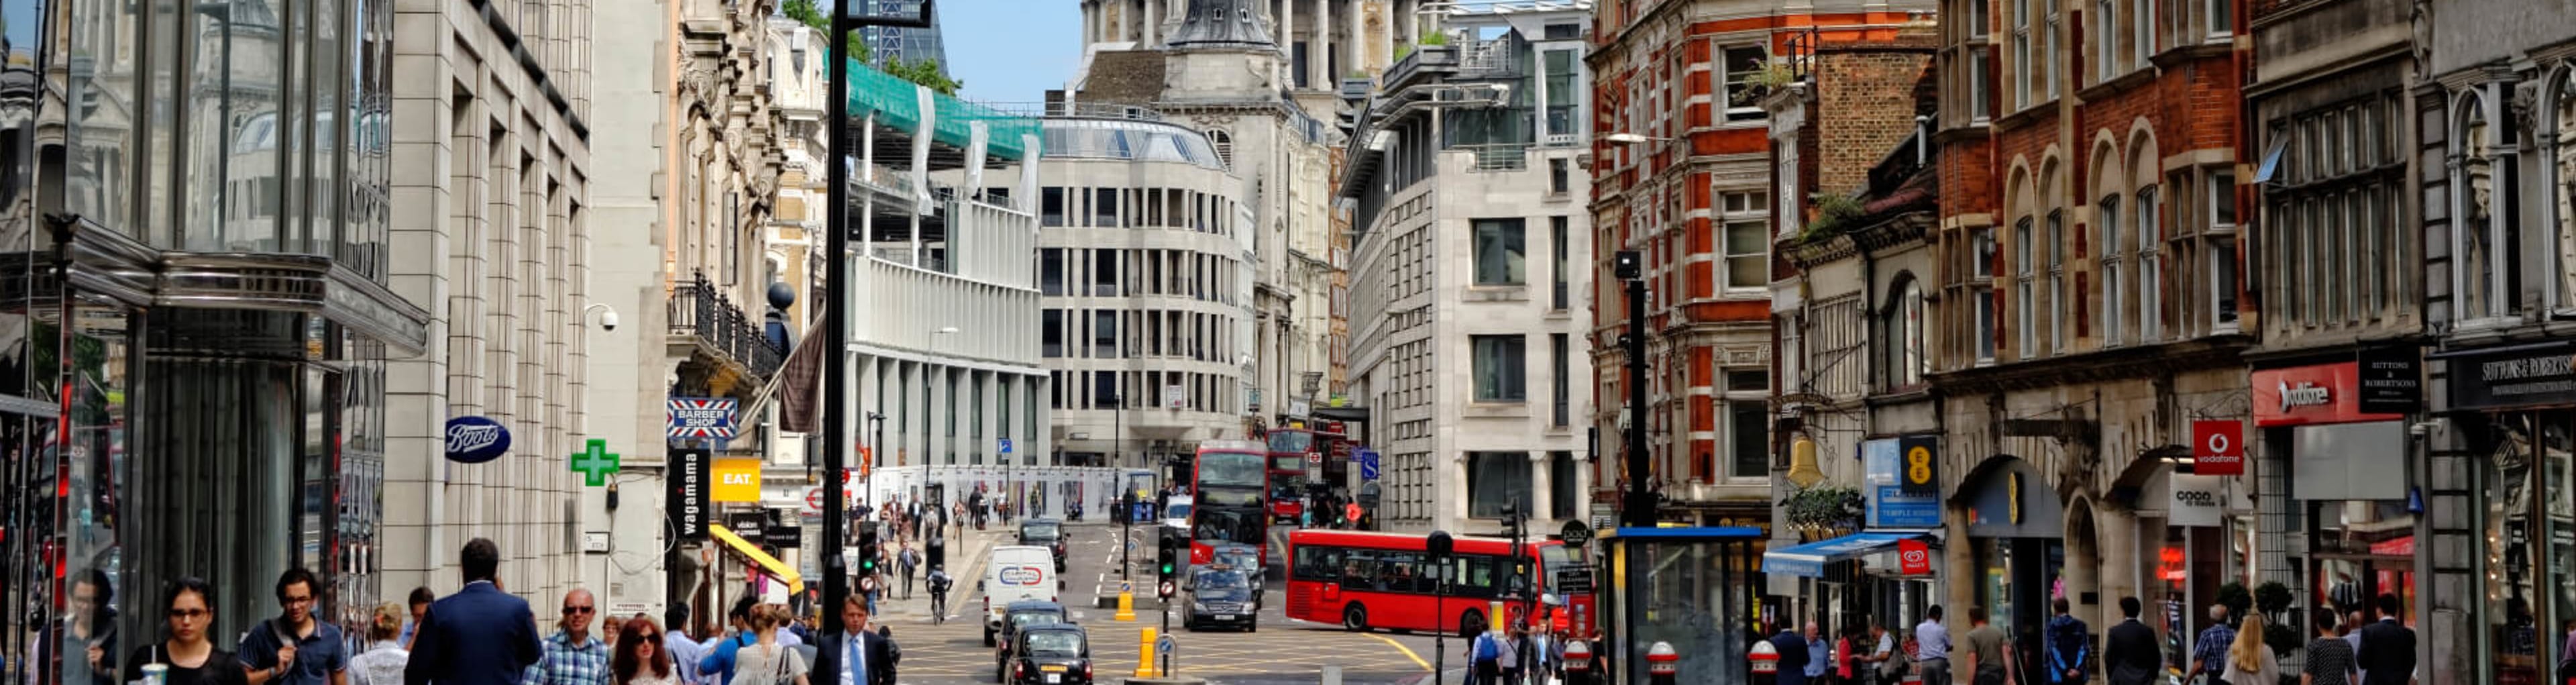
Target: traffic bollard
<point>1145,654</point>
<point>1126,607</point>
<point>1662,664</point>
<point>1766,662</point>
<point>1578,663</point>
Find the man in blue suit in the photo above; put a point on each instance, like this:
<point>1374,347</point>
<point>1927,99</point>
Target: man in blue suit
<point>478,636</point>
<point>869,661</point>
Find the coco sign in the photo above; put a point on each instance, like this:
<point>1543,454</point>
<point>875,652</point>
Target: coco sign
<point>2218,448</point>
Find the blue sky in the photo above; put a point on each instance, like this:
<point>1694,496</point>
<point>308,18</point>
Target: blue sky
<point>1011,50</point>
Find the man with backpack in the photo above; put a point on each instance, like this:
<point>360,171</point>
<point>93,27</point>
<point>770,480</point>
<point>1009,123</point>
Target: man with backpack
<point>1489,653</point>
<point>939,584</point>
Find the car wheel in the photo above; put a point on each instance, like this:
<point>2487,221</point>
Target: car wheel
<point>1355,618</point>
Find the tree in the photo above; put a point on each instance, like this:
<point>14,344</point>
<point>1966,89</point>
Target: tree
<point>805,12</point>
<point>924,71</point>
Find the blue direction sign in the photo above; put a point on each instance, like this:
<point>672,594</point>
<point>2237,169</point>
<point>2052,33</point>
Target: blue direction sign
<point>1006,445</point>
<point>1368,464</point>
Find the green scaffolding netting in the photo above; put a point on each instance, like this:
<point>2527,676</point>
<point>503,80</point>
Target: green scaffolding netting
<point>897,104</point>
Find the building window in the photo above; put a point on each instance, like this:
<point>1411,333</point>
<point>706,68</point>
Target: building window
<point>1499,252</point>
<point>1223,143</point>
<point>2482,269</point>
<point>1558,272</point>
<point>2022,66</point>
<point>1736,70</point>
<point>1052,341</point>
<point>1563,486</point>
<point>1981,95</point>
<point>2109,240</point>
<point>2221,15</point>
<point>1497,480</point>
<point>2025,282</point>
<point>1906,357</point>
<point>1981,290</point>
<point>2149,228</point>
<point>2049,59</point>
<point>1051,207</point>
<point>1746,259</point>
<point>1560,380</point>
<point>2058,314</point>
<point>1559,177</point>
<point>1502,363</point>
<point>1977,18</point>
<point>1749,426</point>
<point>2222,254</point>
<point>2106,39</point>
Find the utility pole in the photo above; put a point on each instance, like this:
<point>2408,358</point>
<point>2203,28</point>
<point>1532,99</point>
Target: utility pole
<point>836,308</point>
<point>1637,508</point>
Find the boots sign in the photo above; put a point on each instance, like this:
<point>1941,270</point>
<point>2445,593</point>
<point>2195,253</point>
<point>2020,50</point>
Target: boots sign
<point>2218,447</point>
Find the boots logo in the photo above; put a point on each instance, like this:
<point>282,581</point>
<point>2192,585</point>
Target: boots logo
<point>475,439</point>
<point>2306,394</point>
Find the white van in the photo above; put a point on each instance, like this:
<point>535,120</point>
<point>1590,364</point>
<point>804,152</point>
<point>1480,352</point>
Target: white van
<point>1016,573</point>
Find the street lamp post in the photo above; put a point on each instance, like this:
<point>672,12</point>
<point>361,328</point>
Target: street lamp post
<point>1439,544</point>
<point>1638,508</point>
<point>836,275</point>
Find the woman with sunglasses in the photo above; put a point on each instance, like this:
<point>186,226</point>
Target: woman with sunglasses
<point>640,659</point>
<point>189,656</point>
<point>385,658</point>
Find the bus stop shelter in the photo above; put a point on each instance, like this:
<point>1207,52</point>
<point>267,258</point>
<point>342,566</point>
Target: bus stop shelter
<point>1690,587</point>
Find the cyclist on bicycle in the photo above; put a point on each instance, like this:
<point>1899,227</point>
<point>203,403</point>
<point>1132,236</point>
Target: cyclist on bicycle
<point>939,584</point>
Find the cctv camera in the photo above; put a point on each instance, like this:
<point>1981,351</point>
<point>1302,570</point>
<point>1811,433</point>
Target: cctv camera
<point>608,321</point>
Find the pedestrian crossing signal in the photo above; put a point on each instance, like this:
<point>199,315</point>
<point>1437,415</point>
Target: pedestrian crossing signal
<point>867,550</point>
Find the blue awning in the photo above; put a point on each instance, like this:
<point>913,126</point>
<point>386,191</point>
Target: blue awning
<point>1809,559</point>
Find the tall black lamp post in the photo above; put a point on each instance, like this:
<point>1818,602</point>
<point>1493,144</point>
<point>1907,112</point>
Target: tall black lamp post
<point>836,275</point>
<point>1638,508</point>
<point>1439,545</point>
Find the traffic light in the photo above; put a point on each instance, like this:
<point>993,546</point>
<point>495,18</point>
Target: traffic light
<point>1166,557</point>
<point>867,550</point>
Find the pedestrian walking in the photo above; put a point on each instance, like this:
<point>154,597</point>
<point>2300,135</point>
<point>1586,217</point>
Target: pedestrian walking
<point>908,561</point>
<point>609,627</point>
<point>717,664</point>
<point>2209,651</point>
<point>478,636</point>
<point>572,655</point>
<point>2132,656</point>
<point>1844,657</point>
<point>1882,649</point>
<point>2387,654</point>
<point>1932,648</point>
<point>679,647</point>
<point>856,656</point>
<point>1984,648</point>
<point>2250,661</point>
<point>1820,656</point>
<point>641,657</point>
<point>1794,657</point>
<point>939,583</point>
<point>2567,654</point>
<point>293,648</point>
<point>419,604</point>
<point>190,658</point>
<point>2328,657</point>
<point>1489,652</point>
<point>81,644</point>
<point>766,661</point>
<point>382,662</point>
<point>2068,644</point>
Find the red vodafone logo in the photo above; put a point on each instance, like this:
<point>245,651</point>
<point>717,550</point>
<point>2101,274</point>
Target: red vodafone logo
<point>2218,448</point>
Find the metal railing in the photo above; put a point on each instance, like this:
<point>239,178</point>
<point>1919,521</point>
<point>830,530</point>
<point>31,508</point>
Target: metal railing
<point>1092,110</point>
<point>1497,156</point>
<point>701,310</point>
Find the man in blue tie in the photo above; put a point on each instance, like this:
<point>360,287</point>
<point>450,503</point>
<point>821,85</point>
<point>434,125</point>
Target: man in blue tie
<point>856,656</point>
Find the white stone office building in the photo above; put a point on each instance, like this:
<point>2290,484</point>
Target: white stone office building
<point>492,232</point>
<point>1144,262</point>
<point>1471,273</point>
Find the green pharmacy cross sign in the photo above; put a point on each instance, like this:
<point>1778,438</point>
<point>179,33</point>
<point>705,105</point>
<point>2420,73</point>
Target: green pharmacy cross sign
<point>595,462</point>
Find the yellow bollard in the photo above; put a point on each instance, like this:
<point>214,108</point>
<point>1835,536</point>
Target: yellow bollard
<point>1126,607</point>
<point>1145,652</point>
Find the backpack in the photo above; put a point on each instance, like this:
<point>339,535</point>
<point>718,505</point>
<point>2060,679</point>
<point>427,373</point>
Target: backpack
<point>1486,648</point>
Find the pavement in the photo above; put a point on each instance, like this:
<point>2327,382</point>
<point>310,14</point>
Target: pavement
<point>1281,651</point>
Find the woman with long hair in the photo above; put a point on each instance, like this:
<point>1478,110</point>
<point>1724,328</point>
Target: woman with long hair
<point>2249,661</point>
<point>765,661</point>
<point>640,659</point>
<point>191,659</point>
<point>383,662</point>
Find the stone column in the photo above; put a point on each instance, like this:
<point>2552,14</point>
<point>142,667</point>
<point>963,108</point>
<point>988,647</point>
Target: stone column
<point>2116,535</point>
<point>1319,58</point>
<point>1288,29</point>
<point>1153,23</point>
<point>1540,496</point>
<point>1125,18</point>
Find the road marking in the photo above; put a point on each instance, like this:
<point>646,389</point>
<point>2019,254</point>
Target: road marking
<point>1399,646</point>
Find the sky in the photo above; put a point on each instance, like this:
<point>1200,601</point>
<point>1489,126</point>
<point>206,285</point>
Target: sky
<point>1011,51</point>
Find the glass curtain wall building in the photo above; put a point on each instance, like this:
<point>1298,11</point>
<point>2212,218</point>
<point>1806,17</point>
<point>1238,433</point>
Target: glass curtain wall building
<point>910,44</point>
<point>194,317</point>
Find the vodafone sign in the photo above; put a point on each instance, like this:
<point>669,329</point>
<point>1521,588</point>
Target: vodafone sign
<point>2218,448</point>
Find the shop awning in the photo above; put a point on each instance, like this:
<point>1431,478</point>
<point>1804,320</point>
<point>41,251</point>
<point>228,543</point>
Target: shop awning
<point>795,582</point>
<point>1810,559</point>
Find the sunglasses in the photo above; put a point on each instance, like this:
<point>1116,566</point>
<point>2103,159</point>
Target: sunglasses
<point>568,611</point>
<point>188,613</point>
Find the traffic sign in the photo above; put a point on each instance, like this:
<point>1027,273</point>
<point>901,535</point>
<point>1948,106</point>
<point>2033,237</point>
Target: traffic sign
<point>1006,445</point>
<point>1166,644</point>
<point>1368,464</point>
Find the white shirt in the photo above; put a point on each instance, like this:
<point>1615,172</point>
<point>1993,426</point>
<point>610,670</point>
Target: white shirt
<point>1931,641</point>
<point>854,650</point>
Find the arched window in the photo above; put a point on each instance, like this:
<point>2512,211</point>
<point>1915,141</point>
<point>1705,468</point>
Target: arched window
<point>2473,196</point>
<point>1903,337</point>
<point>1224,144</point>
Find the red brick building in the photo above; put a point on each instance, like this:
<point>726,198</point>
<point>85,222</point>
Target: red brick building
<point>1693,194</point>
<point>2089,299</point>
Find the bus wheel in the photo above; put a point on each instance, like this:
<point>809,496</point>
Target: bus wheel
<point>1470,623</point>
<point>1355,618</point>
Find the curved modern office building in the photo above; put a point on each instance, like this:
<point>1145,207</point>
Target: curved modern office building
<point>1144,263</point>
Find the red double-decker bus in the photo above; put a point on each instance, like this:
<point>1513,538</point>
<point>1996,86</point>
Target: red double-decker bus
<point>1368,580</point>
<point>1227,480</point>
<point>1289,448</point>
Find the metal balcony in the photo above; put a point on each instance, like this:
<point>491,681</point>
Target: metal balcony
<point>701,315</point>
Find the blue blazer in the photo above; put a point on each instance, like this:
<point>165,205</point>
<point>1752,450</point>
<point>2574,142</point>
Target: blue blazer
<point>478,636</point>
